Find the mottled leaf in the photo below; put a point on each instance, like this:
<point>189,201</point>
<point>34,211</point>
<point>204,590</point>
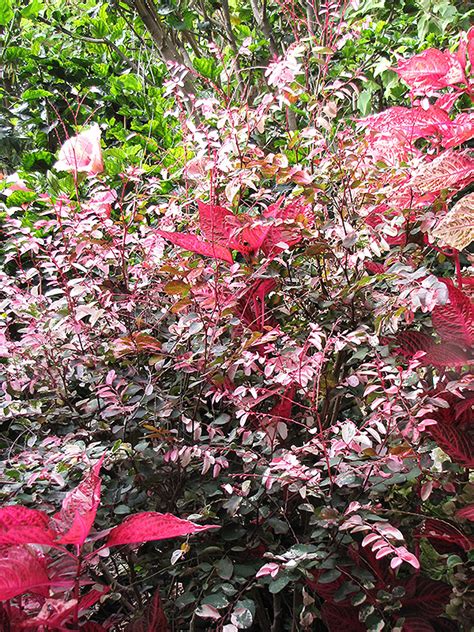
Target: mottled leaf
<point>20,525</point>
<point>457,227</point>
<point>447,170</point>
<point>22,570</point>
<point>79,508</point>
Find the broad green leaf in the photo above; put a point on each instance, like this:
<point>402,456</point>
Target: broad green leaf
<point>6,12</point>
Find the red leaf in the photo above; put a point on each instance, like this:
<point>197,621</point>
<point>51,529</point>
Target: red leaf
<point>375,268</point>
<point>456,443</point>
<point>154,619</point>
<point>438,355</point>
<point>326,590</point>
<point>20,525</point>
<point>149,525</point>
<point>466,513</point>
<point>446,625</point>
<point>426,597</point>
<point>288,229</point>
<point>339,618</point>
<point>79,508</point>
<point>447,170</point>
<point>463,410</point>
<point>197,245</point>
<point>447,355</point>
<point>251,306</point>
<point>282,409</point>
<point>410,342</point>
<point>443,536</point>
<point>216,222</point>
<point>91,598</point>
<point>417,624</point>
<point>454,322</point>
<point>22,570</point>
<point>238,232</point>
<point>431,70</point>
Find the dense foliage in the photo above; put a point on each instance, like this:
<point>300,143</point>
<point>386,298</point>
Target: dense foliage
<point>236,335</point>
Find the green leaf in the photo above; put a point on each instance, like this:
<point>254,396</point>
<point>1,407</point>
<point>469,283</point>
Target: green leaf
<point>32,9</point>
<point>32,94</point>
<point>382,65</point>
<point>17,198</point>
<point>206,67</point>
<point>364,102</point>
<point>225,568</point>
<point>6,12</point>
<point>218,600</point>
<point>278,585</point>
<point>330,576</point>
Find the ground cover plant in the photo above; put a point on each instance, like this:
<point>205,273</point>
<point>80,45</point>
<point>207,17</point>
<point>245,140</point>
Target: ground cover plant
<point>237,321</point>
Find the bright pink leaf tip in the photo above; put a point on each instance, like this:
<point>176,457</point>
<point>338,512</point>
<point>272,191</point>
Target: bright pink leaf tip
<point>79,509</point>
<point>150,525</point>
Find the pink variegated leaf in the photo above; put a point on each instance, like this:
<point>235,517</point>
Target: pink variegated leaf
<point>20,525</point>
<point>395,562</point>
<point>460,131</point>
<point>456,228</point>
<point>370,538</point>
<point>268,569</point>
<point>431,70</point>
<point>413,123</point>
<point>90,626</point>
<point>150,525</point>
<point>447,100</point>
<point>379,544</point>
<point>197,245</point>
<point>447,170</point>
<point>383,552</point>
<point>55,612</point>
<point>405,555</point>
<point>22,570</point>
<point>79,508</point>
<point>470,48</point>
